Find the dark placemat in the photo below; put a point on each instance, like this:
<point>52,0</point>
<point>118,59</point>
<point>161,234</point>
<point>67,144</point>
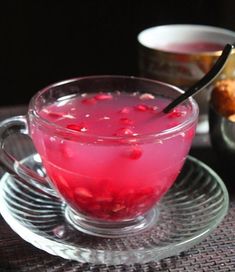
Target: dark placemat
<point>216,253</point>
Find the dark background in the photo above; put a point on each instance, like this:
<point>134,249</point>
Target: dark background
<point>46,41</point>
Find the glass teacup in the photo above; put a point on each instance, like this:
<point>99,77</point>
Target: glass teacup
<point>108,150</point>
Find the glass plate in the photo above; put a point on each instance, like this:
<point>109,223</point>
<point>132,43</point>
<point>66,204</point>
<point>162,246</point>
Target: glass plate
<point>194,207</point>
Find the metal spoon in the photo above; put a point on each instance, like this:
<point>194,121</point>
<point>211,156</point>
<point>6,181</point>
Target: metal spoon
<point>205,81</point>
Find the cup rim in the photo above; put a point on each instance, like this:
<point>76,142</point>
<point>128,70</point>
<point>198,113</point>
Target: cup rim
<point>33,112</point>
<point>141,37</point>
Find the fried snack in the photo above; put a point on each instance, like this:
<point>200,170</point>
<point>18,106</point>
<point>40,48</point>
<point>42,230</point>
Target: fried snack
<point>231,118</point>
<point>223,97</point>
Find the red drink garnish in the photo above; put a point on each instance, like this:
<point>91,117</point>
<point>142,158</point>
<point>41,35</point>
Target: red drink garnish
<point>175,113</point>
<point>56,114</point>
<point>126,121</point>
<point>142,107</point>
<point>125,110</point>
<point>134,153</point>
<point>89,101</point>
<point>77,127</point>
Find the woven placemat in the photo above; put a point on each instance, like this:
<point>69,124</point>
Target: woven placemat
<point>216,253</point>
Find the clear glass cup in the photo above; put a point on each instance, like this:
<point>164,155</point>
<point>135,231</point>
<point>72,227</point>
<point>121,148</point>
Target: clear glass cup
<point>109,184</point>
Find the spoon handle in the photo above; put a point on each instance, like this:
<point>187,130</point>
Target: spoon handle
<point>205,81</point>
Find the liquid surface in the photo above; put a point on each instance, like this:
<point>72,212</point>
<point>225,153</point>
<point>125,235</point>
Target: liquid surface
<point>193,47</point>
<point>118,114</point>
<point>117,180</point>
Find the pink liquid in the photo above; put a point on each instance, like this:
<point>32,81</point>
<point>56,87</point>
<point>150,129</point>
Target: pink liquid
<point>193,47</point>
<point>112,179</point>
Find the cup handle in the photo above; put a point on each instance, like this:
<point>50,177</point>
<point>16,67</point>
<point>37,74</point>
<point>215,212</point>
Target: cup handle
<point>8,127</point>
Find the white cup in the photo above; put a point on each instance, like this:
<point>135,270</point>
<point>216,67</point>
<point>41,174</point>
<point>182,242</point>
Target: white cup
<point>182,54</point>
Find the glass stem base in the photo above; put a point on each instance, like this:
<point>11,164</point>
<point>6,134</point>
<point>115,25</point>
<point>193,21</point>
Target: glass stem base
<point>111,229</point>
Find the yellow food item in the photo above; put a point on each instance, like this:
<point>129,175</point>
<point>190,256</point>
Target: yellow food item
<point>223,97</point>
<point>232,118</point>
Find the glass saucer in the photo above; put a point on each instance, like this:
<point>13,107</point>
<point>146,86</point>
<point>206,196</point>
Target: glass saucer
<point>193,208</point>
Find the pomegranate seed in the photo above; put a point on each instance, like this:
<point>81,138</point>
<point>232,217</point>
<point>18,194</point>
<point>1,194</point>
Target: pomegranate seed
<point>83,192</point>
<point>190,134</point>
<point>55,114</point>
<point>118,207</point>
<point>125,110</point>
<point>134,153</point>
<point>124,132</point>
<point>142,107</point>
<point>103,96</point>
<point>89,101</point>
<point>77,127</point>
<point>126,121</point>
<point>146,96</point>
<point>175,114</point>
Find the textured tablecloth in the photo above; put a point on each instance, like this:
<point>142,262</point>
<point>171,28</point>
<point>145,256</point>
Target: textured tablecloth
<point>215,253</point>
